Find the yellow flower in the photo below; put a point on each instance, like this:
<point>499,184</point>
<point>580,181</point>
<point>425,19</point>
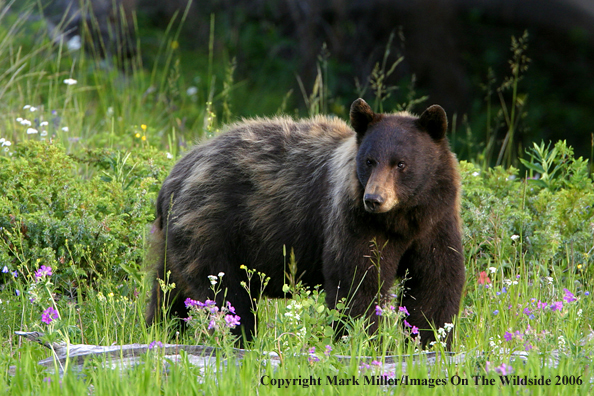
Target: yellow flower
<point>143,137</point>
<point>243,267</point>
<point>137,135</point>
<point>143,126</point>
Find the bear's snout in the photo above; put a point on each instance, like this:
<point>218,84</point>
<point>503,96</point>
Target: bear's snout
<point>373,202</point>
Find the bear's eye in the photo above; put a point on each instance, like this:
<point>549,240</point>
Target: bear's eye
<point>401,165</point>
<point>370,162</point>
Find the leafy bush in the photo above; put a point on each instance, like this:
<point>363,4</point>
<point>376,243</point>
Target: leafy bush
<point>82,227</point>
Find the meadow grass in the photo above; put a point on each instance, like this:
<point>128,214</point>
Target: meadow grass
<point>91,139</point>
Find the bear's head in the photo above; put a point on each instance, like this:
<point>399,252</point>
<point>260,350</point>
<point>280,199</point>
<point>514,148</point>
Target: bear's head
<point>399,155</point>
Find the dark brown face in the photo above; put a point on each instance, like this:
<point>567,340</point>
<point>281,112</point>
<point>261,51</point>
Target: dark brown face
<point>391,164</point>
<point>397,153</point>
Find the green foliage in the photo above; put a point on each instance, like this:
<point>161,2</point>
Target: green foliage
<point>81,227</point>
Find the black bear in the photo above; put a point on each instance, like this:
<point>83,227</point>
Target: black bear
<point>326,191</point>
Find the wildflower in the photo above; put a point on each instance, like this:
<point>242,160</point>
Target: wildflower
<point>504,369</point>
<point>448,326</point>
<point>527,347</point>
<point>230,307</point>
<point>191,91</point>
<point>65,129</point>
<point>221,274</point>
<point>44,123</point>
<point>515,237</point>
<point>508,336</point>
<point>376,363</point>
<point>527,311</point>
<point>143,127</point>
<point>25,122</point>
<point>483,278</point>
<point>169,156</point>
<point>15,274</point>
<point>488,366</point>
<point>569,297</point>
<point>406,324</point>
<point>242,267</point>
<point>5,269</point>
<point>414,330</point>
<point>137,135</point>
<point>378,310</point>
<point>25,107</point>
<point>212,324</point>
<point>17,292</point>
<point>403,310</point>
<point>155,344</point>
<point>6,143</point>
<point>328,350</point>
<point>213,279</point>
<point>586,293</point>
<point>557,306</point>
<point>475,174</point>
<point>495,312</point>
<point>31,131</point>
<point>49,315</point>
<point>70,81</point>
<point>312,356</point>
<point>74,44</point>
<point>43,271</point>
<point>518,276</point>
<point>232,320</point>
<point>492,270</point>
<point>143,138</point>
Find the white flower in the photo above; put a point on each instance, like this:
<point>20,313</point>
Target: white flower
<point>475,174</point>
<point>44,123</point>
<point>191,91</point>
<point>448,326</point>
<point>221,274</point>
<point>19,119</point>
<point>515,237</point>
<point>32,109</point>
<point>2,141</point>
<point>6,143</point>
<point>169,155</point>
<point>549,279</point>
<point>213,279</point>
<point>70,81</point>
<point>65,129</point>
<point>31,131</point>
<point>25,122</point>
<point>25,107</point>
<point>492,270</point>
<point>43,133</point>
<point>579,313</point>
<point>74,43</point>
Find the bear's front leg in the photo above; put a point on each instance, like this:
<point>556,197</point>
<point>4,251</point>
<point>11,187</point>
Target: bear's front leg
<point>361,272</point>
<point>435,277</point>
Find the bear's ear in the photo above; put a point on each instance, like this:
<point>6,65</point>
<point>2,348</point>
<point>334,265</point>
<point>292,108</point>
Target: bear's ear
<point>361,116</point>
<point>434,121</point>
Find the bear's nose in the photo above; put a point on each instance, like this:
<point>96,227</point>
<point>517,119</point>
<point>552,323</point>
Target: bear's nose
<point>372,202</point>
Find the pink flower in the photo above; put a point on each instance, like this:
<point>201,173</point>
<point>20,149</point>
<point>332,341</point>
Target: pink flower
<point>569,297</point>
<point>42,272</point>
<point>557,306</point>
<point>483,278</point>
<point>504,369</point>
<point>508,336</point>
<point>541,305</point>
<point>378,310</point>
<point>403,310</point>
<point>232,320</point>
<point>406,323</point>
<point>49,315</point>
<point>414,330</point>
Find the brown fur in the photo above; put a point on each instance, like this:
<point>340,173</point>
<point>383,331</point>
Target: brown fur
<point>326,191</point>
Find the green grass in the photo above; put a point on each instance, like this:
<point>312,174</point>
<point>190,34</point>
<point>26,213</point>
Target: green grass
<point>81,202</point>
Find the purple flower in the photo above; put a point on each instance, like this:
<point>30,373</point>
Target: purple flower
<point>17,292</point>
<point>414,330</point>
<point>193,303</point>
<point>586,293</point>
<point>527,311</point>
<point>378,310</point>
<point>504,369</point>
<point>403,310</point>
<point>406,323</point>
<point>312,355</point>
<point>527,347</point>
<point>16,274</point>
<point>49,315</point>
<point>496,312</point>
<point>328,350</point>
<point>508,336</point>
<point>569,297</point>
<point>488,366</point>
<point>557,306</point>
<point>541,305</point>
<point>155,344</point>
<point>504,290</point>
<point>211,324</point>
<point>43,271</point>
<point>210,303</point>
<point>232,320</point>
<point>230,307</point>
<point>5,269</point>
<point>376,363</point>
